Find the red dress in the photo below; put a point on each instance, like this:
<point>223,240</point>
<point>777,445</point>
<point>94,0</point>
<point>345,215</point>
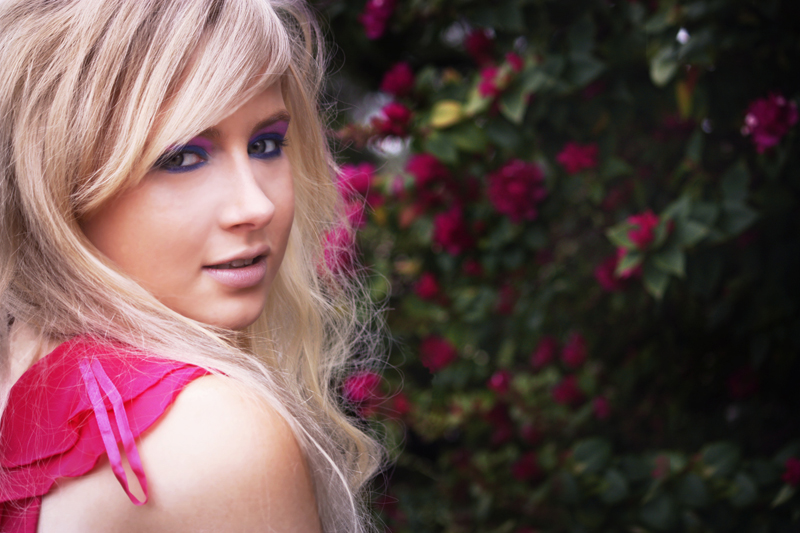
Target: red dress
<point>72,407</point>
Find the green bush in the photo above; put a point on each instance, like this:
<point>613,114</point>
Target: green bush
<point>589,246</point>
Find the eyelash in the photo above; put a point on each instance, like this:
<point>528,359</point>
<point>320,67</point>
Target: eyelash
<point>163,162</point>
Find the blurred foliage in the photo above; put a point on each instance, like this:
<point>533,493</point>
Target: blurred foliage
<point>589,246</point>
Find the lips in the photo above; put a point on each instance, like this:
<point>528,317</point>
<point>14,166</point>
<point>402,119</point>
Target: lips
<point>245,271</point>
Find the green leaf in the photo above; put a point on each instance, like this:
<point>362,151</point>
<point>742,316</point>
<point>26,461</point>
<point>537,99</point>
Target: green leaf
<point>745,491</point>
<point>705,213</point>
<point>784,495</point>
<point>688,233</point>
<point>469,137</point>
<point>659,513</point>
<point>534,79</point>
<point>615,487</point>
<point>663,66</point>
<point>691,491</point>
<point>445,113</point>
<point>591,455</point>
<point>442,146</point>
<point>680,208</point>
<point>503,133</point>
<point>735,182</point>
<point>618,235</point>
<point>629,261</point>
<point>583,68</point>
<point>721,459</point>
<point>513,104</point>
<point>655,280</point>
<point>671,260</point>
<point>694,148</point>
<point>565,487</point>
<point>615,166</point>
<point>581,34</point>
<point>476,103</point>
<point>737,217</point>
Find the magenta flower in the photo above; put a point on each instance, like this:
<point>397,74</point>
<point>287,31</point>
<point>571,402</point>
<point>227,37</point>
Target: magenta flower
<point>567,391</point>
<point>480,46</point>
<point>575,157</point>
<point>768,120</point>
<point>375,16</point>
<point>394,120</point>
<point>545,352</point>
<point>436,353</point>
<point>487,87</point>
<point>427,287</point>
<point>398,80</point>
<point>451,232</point>
<point>574,352</point>
<point>363,389</point>
<point>516,189</point>
<point>338,249</point>
<point>500,382</point>
<point>515,61</point>
<point>791,474</point>
<point>526,467</point>
<point>601,408</point>
<point>355,180</point>
<point>643,231</point>
<point>605,274</point>
<point>427,170</point>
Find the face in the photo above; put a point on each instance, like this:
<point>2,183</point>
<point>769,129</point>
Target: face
<point>206,229</point>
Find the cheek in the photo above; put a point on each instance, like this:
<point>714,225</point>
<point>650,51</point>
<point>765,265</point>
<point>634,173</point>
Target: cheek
<point>148,230</point>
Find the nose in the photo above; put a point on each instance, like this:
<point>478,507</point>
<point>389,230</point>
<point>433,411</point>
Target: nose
<point>248,207</point>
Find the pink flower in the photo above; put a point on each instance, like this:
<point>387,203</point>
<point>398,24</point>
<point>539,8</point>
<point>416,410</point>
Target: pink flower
<point>506,300</point>
<point>743,383</point>
<point>530,434</point>
<point>643,231</point>
<point>395,120</point>
<point>436,353</point>
<point>398,80</point>
<point>567,391</point>
<point>574,352</point>
<point>355,179</point>
<point>375,16</point>
<point>601,408</point>
<point>502,426</point>
<point>516,189</point>
<point>526,467</point>
<point>605,274</point>
<point>629,273</point>
<point>355,214</point>
<point>472,268</point>
<point>545,352</point>
<point>401,405</point>
<point>480,46</point>
<point>363,388</point>
<point>575,157</point>
<point>515,61</point>
<point>427,288</point>
<point>339,254</point>
<point>500,381</point>
<point>768,120</point>
<point>487,87</point>
<point>451,232</point>
<point>427,170</point>
<point>791,476</point>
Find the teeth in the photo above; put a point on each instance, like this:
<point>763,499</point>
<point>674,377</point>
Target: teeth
<point>238,263</point>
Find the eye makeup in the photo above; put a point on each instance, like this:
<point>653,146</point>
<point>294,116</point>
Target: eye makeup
<point>268,141</point>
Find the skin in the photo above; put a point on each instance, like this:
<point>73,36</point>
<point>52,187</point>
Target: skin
<point>164,231</point>
<point>216,460</point>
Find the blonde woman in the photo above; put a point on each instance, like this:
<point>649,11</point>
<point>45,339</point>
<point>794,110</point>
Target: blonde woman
<point>173,335</point>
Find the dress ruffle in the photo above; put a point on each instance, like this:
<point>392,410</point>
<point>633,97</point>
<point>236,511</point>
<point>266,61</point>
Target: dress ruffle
<point>50,429</point>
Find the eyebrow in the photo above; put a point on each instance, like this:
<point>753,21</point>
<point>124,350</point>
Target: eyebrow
<point>279,116</point>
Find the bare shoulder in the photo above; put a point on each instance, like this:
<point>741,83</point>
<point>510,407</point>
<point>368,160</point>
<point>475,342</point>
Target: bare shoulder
<point>216,461</point>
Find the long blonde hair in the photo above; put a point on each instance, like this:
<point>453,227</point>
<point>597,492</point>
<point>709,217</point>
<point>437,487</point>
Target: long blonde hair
<point>91,93</point>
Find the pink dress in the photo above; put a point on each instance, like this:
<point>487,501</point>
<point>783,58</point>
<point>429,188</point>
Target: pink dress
<point>72,407</point>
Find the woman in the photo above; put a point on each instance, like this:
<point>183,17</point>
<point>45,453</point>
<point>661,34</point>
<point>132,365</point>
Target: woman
<point>174,332</point>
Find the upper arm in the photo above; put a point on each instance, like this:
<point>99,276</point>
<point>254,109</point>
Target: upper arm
<point>215,461</point>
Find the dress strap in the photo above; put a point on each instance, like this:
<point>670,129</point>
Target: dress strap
<point>93,374</point>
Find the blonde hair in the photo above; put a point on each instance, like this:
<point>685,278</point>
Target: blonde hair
<point>91,93</point>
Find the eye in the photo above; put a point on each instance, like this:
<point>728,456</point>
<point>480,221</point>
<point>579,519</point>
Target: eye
<point>182,160</point>
<point>266,146</point>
